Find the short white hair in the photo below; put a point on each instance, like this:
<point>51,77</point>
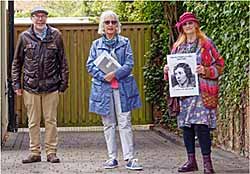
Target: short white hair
<point>107,14</point>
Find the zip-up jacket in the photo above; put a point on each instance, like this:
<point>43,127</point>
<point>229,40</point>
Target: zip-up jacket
<point>44,62</point>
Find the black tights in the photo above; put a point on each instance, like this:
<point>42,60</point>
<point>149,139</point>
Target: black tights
<point>203,133</point>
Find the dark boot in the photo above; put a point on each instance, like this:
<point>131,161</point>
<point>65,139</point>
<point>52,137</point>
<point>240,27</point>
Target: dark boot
<point>53,158</point>
<point>207,162</point>
<point>190,165</point>
<point>32,159</point>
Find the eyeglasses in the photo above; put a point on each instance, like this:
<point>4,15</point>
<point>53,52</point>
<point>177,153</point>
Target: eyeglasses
<point>39,16</point>
<point>188,23</point>
<point>108,22</point>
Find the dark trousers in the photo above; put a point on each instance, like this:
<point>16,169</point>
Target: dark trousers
<point>203,134</point>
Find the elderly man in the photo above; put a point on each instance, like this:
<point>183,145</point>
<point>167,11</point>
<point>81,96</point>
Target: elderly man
<point>40,52</point>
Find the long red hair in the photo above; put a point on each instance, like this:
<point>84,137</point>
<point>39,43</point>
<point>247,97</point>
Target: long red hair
<point>183,37</point>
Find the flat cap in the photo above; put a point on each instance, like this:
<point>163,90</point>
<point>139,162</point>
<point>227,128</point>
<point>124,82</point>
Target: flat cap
<point>38,9</point>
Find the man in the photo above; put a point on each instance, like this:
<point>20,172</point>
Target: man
<point>40,52</point>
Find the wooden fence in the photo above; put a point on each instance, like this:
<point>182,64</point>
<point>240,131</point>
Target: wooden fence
<point>73,107</point>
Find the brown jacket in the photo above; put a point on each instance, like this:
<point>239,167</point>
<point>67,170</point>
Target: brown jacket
<point>44,62</point>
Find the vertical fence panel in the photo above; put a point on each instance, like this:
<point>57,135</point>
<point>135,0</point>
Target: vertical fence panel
<point>73,106</point>
<point>148,109</point>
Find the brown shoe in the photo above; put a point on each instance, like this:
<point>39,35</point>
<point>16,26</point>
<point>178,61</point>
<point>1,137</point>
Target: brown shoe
<point>207,162</point>
<point>32,159</point>
<point>190,165</point>
<point>53,158</point>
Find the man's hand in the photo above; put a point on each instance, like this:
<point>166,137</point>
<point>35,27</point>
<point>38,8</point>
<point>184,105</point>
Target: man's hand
<point>108,77</point>
<point>19,92</point>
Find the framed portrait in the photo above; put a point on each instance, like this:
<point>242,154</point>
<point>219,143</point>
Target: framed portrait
<point>183,79</point>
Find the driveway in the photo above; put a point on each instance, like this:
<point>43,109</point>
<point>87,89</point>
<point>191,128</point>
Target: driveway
<point>84,152</point>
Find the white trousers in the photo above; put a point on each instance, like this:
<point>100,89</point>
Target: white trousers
<point>125,129</point>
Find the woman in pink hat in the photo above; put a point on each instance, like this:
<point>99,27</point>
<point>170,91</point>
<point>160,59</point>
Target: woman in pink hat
<point>197,114</point>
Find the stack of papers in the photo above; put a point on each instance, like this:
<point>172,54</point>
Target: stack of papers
<point>106,63</point>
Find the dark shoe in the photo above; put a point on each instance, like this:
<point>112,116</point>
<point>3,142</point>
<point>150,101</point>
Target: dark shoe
<point>53,158</point>
<point>133,165</point>
<point>110,164</point>
<point>32,159</point>
<point>207,162</point>
<point>190,165</point>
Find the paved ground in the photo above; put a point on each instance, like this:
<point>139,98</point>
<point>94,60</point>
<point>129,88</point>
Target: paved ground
<point>84,152</point>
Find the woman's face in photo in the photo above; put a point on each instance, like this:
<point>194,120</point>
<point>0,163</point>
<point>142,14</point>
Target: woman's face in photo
<point>189,27</point>
<point>180,75</point>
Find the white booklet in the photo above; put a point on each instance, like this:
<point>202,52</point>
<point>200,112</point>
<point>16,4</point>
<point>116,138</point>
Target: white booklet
<point>106,63</point>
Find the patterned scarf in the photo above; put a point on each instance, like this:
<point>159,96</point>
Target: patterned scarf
<point>110,42</point>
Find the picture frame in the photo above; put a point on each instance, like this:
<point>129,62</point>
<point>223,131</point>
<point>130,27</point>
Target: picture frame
<point>183,79</point>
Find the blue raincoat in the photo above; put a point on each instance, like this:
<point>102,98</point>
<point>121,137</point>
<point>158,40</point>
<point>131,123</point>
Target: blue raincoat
<point>101,91</point>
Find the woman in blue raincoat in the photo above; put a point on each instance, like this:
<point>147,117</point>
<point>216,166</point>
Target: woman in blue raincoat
<point>114,95</point>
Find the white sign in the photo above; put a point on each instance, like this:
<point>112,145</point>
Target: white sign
<point>183,79</point>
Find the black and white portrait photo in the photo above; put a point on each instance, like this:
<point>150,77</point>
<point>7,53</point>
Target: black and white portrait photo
<point>183,80</point>
<point>183,76</point>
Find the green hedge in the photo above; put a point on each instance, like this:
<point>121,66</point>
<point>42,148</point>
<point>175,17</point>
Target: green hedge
<point>227,24</point>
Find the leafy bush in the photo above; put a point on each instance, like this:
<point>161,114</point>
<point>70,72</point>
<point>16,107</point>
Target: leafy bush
<point>227,24</point>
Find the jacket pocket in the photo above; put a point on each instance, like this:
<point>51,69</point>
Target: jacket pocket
<point>209,92</point>
<point>53,81</point>
<point>209,101</point>
<point>30,80</point>
<point>130,87</point>
<point>30,51</point>
<point>51,50</point>
<point>96,91</point>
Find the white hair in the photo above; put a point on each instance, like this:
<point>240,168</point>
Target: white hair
<point>105,14</point>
